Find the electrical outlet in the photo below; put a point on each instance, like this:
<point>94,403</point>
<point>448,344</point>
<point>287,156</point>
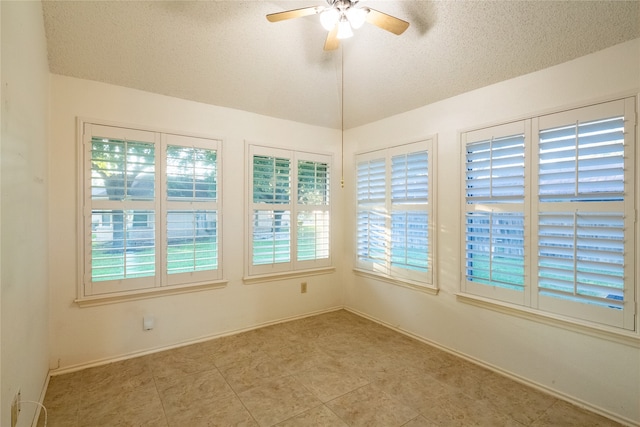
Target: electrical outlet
<point>303,287</point>
<point>15,408</point>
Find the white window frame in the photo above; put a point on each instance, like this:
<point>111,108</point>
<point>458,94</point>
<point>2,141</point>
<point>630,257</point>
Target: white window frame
<point>99,292</point>
<point>382,205</point>
<point>293,267</point>
<point>532,301</point>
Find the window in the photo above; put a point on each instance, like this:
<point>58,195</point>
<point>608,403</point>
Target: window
<point>150,210</point>
<point>394,213</point>
<point>555,233</point>
<point>289,211</point>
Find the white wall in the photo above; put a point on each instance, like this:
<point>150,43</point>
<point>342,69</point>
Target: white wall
<point>603,374</point>
<point>81,336</point>
<point>23,209</point>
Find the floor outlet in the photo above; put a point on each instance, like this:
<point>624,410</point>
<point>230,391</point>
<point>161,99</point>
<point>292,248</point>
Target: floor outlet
<point>303,287</point>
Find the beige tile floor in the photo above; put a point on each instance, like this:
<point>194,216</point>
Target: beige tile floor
<point>335,369</point>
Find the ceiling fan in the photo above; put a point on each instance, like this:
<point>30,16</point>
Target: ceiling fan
<point>340,17</point>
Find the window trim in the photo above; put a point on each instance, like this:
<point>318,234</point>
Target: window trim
<point>293,268</point>
<point>428,144</point>
<point>611,332</point>
<point>160,288</point>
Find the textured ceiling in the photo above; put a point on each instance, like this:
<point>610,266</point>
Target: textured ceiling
<point>226,53</point>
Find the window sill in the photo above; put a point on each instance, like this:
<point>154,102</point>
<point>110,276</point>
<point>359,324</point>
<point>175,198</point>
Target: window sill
<point>417,286</point>
<point>619,336</point>
<point>250,280</point>
<point>113,298</point>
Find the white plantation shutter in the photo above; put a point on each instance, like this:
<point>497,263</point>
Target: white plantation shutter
<point>372,225</point>
<point>312,240</point>
<point>191,221</point>
<point>585,214</point>
<point>409,214</point>
<point>121,240</point>
<point>551,225</point>
<point>394,216</point>
<point>150,210</point>
<point>271,212</point>
<point>290,211</point>
<point>494,220</point>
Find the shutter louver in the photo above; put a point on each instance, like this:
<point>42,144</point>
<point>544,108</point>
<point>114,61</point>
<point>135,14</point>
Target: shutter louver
<point>313,183</point>
<point>191,241</point>
<point>122,170</point>
<point>409,178</point>
<point>371,181</point>
<point>495,170</point>
<point>191,173</point>
<point>313,235</point>
<point>581,257</point>
<point>271,237</point>
<point>409,240</point>
<point>122,244</point>
<point>271,180</point>
<point>495,249</point>
<point>582,162</point>
<point>372,237</point>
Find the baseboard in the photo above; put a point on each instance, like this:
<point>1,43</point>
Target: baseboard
<point>119,358</point>
<point>522,380</point>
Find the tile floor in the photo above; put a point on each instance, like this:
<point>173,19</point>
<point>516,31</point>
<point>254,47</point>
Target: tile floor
<point>334,369</point>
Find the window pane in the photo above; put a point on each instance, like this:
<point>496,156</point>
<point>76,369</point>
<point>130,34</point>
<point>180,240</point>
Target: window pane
<point>271,180</point>
<point>582,162</point>
<point>409,178</point>
<point>409,240</point>
<point>192,243</point>
<point>495,170</point>
<point>122,170</point>
<point>271,237</point>
<point>581,257</point>
<point>495,249</point>
<point>122,244</point>
<point>313,183</point>
<point>191,173</point>
<point>313,235</point>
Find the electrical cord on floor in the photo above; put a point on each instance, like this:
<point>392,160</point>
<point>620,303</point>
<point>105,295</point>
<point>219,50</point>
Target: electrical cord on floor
<point>39,404</point>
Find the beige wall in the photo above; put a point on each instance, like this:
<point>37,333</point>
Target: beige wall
<point>603,374</point>
<point>23,209</point>
<point>82,336</point>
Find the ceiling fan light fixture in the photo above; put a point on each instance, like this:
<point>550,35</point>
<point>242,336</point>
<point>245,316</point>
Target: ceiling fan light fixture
<point>344,28</point>
<point>357,16</point>
<point>329,18</point>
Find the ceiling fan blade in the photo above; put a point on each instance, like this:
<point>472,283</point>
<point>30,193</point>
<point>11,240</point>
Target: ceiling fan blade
<point>295,13</point>
<point>386,22</point>
<point>332,41</point>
